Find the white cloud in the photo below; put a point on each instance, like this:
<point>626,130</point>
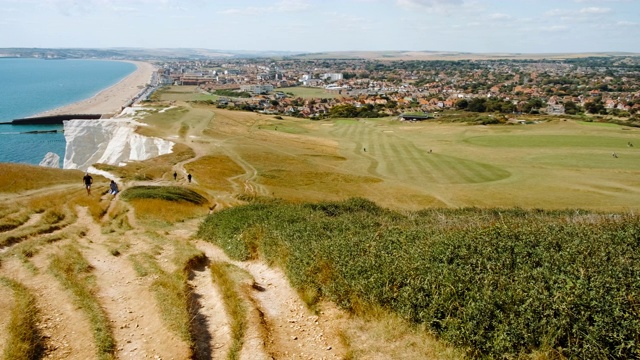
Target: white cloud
<point>430,4</point>
<point>595,10</point>
<point>557,12</point>
<point>555,28</point>
<point>282,6</point>
<point>600,1</point>
<point>499,16</point>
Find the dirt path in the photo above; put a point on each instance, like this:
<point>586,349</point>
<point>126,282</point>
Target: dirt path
<point>6,302</point>
<point>290,330</point>
<point>137,326</point>
<point>211,322</point>
<point>65,328</point>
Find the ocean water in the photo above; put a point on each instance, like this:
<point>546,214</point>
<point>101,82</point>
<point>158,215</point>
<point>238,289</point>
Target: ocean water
<point>31,86</point>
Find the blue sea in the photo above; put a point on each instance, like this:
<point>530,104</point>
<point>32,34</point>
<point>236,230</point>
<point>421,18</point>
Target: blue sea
<point>31,86</point>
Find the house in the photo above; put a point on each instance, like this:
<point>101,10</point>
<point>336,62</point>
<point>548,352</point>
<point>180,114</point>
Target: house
<point>557,109</point>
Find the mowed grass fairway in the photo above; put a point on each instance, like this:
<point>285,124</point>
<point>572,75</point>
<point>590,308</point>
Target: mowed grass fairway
<point>309,92</point>
<point>554,164</point>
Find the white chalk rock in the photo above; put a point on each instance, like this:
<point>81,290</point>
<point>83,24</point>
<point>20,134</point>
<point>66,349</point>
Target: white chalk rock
<point>51,160</point>
<point>109,141</point>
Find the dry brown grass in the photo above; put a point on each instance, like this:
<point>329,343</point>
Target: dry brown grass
<point>166,212</point>
<point>24,340</point>
<point>16,178</point>
<point>380,335</point>
<point>213,171</point>
<point>151,169</point>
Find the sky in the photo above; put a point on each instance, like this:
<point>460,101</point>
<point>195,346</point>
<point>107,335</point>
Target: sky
<point>478,26</point>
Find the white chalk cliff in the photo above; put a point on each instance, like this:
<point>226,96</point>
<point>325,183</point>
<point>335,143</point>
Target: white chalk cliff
<point>51,160</point>
<point>109,141</point>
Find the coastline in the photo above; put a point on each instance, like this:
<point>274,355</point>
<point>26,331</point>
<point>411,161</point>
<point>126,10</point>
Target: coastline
<point>112,99</point>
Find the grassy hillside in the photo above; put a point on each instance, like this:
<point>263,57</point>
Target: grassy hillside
<point>497,282</point>
<point>20,177</point>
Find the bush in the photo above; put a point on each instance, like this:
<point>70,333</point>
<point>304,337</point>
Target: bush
<point>503,283</point>
<point>167,193</point>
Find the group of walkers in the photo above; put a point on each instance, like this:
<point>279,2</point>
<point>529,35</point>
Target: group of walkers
<point>88,181</point>
<point>113,186</point>
<point>175,176</point>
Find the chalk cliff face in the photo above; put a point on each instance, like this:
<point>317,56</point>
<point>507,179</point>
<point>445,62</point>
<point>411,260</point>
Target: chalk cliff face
<point>110,141</point>
<point>51,160</point>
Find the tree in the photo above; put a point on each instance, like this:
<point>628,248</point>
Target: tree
<point>477,105</point>
<point>571,108</point>
<point>462,104</point>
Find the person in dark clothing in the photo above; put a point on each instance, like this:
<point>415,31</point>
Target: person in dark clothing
<point>189,177</point>
<point>175,175</point>
<point>113,188</point>
<point>88,180</point>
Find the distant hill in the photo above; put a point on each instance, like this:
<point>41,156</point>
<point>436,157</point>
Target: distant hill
<point>449,55</point>
<point>198,53</point>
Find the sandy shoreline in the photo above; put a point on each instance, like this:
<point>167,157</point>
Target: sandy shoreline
<point>110,100</point>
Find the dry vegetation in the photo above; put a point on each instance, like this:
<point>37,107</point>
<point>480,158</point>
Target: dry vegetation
<point>143,286</point>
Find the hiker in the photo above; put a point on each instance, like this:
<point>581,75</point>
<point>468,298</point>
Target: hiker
<point>189,177</point>
<point>614,155</point>
<point>175,175</point>
<point>114,188</point>
<point>88,180</point>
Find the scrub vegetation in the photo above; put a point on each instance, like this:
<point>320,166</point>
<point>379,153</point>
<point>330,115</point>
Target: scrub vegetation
<point>497,282</point>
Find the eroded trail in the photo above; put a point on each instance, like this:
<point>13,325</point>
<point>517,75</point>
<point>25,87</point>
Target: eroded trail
<point>137,326</point>
<point>66,331</point>
<point>289,330</point>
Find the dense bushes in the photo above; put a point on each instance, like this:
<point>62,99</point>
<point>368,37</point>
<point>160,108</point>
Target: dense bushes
<point>168,193</point>
<point>497,282</point>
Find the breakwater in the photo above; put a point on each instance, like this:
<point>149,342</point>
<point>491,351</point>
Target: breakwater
<point>53,119</point>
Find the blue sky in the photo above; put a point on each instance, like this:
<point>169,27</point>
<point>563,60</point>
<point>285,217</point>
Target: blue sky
<point>481,26</point>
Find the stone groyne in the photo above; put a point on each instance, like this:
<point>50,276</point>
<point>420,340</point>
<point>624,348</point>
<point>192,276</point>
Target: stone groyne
<point>53,119</point>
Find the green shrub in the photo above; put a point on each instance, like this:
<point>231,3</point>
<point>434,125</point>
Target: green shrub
<point>503,283</point>
<point>167,193</point>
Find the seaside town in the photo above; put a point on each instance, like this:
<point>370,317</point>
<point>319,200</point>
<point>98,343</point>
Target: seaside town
<point>373,88</point>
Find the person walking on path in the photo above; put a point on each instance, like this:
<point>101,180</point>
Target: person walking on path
<point>88,180</point>
<point>189,177</point>
<point>175,176</point>
<point>114,188</point>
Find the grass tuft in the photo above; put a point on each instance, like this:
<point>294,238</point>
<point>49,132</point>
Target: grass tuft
<point>228,277</point>
<point>74,273</point>
<point>24,340</point>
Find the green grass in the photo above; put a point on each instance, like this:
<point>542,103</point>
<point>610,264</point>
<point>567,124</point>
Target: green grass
<point>24,339</point>
<point>309,92</point>
<point>550,141</point>
<point>166,193</point>
<point>602,124</point>
<point>499,282</point>
<point>74,273</point>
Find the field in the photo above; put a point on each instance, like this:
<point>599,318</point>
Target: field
<point>309,92</point>
<point>142,274</point>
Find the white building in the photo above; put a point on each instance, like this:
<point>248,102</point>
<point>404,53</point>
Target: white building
<point>331,76</point>
<point>256,89</point>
